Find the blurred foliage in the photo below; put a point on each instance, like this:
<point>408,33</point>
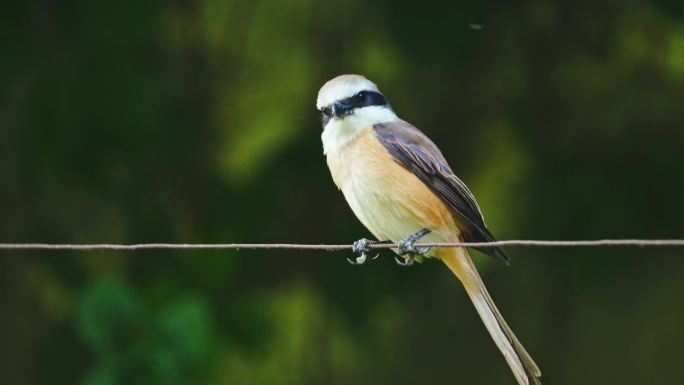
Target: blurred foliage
<point>194,122</point>
<point>136,348</point>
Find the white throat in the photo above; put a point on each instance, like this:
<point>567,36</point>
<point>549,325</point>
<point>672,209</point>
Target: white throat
<point>339,132</point>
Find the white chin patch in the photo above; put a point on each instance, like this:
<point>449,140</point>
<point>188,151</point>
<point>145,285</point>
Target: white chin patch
<point>339,132</point>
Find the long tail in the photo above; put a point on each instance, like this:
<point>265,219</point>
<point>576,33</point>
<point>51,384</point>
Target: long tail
<point>522,365</point>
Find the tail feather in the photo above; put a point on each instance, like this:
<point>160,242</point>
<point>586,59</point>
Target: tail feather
<point>523,366</point>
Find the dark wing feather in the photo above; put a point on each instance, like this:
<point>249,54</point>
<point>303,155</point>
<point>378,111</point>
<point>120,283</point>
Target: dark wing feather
<point>415,151</point>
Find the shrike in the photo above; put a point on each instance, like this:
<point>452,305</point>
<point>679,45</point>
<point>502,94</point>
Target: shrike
<point>401,188</point>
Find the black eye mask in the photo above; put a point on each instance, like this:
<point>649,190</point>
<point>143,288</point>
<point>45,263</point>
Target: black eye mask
<point>365,99</point>
<point>348,105</point>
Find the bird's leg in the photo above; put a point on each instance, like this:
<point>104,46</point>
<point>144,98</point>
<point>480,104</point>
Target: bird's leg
<point>407,249</point>
<point>361,247</point>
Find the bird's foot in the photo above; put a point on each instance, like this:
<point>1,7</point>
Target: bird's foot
<point>406,262</point>
<point>407,250</point>
<point>361,248</point>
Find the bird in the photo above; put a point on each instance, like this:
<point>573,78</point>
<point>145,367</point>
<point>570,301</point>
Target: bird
<point>401,188</point>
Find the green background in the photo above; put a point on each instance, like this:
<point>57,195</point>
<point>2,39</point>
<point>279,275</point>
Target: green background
<point>194,121</point>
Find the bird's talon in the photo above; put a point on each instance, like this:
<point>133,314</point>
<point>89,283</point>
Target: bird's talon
<point>360,260</point>
<point>406,263</point>
<point>408,248</point>
<point>405,246</point>
<point>361,247</point>
<point>422,250</point>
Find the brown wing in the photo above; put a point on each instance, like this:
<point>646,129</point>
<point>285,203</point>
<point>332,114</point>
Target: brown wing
<point>415,151</point>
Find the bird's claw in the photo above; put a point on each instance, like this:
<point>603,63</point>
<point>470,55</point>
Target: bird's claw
<point>406,262</point>
<point>361,247</point>
<point>360,260</point>
<point>406,248</point>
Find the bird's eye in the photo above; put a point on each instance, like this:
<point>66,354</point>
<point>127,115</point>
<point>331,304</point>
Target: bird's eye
<point>361,95</point>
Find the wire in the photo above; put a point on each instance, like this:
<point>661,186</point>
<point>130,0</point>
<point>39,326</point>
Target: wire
<point>333,247</point>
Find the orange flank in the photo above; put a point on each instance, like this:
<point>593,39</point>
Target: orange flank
<point>388,199</point>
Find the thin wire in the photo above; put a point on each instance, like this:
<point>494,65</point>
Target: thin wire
<point>334,247</point>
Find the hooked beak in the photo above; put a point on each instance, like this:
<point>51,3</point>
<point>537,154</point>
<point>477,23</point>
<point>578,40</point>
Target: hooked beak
<point>341,109</point>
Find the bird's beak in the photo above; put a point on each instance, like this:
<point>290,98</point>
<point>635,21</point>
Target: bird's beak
<point>341,109</point>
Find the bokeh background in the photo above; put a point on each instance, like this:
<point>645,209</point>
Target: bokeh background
<point>194,121</point>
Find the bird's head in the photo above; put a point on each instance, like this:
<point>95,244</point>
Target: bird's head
<point>352,95</point>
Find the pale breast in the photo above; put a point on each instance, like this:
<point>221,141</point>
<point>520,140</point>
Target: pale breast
<point>388,199</point>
